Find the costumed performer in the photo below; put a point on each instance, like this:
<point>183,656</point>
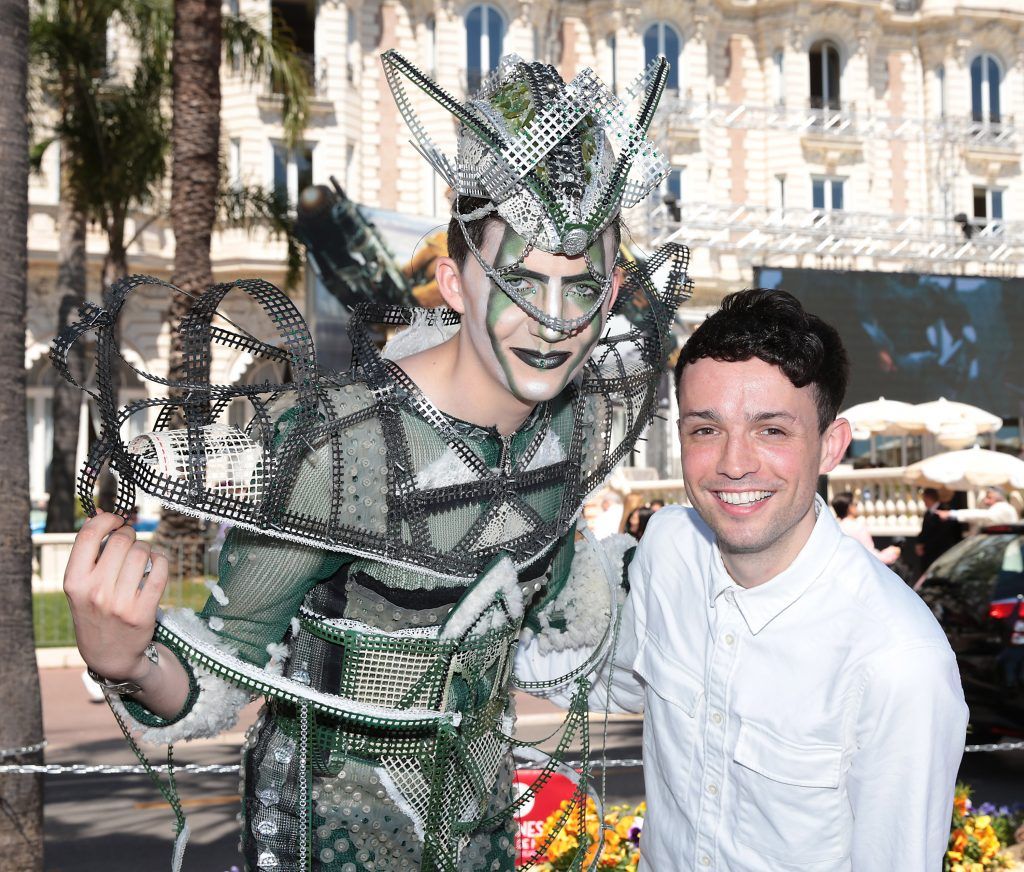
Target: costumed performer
<point>398,526</point>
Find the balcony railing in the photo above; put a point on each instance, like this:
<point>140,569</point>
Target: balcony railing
<point>919,242</point>
<point>844,119</point>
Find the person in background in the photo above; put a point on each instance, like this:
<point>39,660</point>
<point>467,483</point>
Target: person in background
<point>847,511</point>
<point>937,534</point>
<point>655,505</point>
<point>637,520</point>
<point>995,509</point>
<point>605,522</point>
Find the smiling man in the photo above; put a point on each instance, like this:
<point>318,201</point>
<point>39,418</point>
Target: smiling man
<point>803,709</point>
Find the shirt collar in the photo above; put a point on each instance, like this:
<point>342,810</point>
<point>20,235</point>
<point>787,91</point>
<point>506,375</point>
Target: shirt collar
<point>760,605</point>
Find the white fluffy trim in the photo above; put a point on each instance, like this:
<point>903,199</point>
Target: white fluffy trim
<point>549,451</point>
<point>447,469</point>
<point>583,603</point>
<point>480,602</point>
<point>218,705</point>
<point>424,332</point>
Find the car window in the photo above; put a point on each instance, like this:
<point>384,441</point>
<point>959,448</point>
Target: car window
<point>975,565</point>
<point>1010,580</point>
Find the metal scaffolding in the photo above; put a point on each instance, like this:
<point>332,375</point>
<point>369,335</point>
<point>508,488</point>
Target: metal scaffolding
<point>894,242</point>
<point>683,116</point>
<point>865,240</point>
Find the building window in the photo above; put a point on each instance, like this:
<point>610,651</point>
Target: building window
<point>296,19</point>
<point>292,171</point>
<point>779,78</point>
<point>613,62</point>
<point>235,162</point>
<point>351,47</point>
<point>985,78</point>
<point>663,39</point>
<point>39,412</point>
<point>824,60</point>
<point>826,194</point>
<point>940,90</point>
<point>670,192</point>
<point>780,192</point>
<point>485,34</point>
<point>430,25</point>
<point>988,208</point>
<point>351,176</point>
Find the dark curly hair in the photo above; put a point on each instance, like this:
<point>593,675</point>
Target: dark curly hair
<point>772,325</point>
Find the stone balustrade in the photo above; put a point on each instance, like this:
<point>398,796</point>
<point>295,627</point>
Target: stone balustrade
<point>888,505</point>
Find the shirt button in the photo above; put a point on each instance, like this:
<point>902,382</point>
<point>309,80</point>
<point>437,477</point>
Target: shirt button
<point>713,789</point>
<point>705,860</point>
<point>729,638</point>
<point>716,718</point>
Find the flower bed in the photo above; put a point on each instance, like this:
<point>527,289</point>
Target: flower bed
<point>621,851</point>
<point>979,836</point>
<point>978,840</point>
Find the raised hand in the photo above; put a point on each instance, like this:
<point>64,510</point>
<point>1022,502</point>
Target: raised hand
<point>113,598</point>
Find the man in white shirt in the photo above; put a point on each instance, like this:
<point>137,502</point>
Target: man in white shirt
<point>995,509</point>
<point>803,709</point>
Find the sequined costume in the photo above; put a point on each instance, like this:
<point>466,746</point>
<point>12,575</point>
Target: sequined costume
<point>385,557</point>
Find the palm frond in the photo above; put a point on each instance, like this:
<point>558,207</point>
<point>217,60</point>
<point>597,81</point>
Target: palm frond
<point>252,206</point>
<point>271,57</point>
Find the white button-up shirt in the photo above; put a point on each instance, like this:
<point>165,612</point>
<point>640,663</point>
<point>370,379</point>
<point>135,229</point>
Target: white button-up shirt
<point>815,722</point>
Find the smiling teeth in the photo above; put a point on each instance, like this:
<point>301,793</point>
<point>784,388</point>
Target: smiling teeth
<point>743,499</point>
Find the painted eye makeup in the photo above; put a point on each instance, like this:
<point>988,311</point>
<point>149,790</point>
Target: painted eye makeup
<point>584,289</point>
<point>522,284</point>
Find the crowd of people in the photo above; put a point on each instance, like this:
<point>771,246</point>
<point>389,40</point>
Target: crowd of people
<point>942,526</point>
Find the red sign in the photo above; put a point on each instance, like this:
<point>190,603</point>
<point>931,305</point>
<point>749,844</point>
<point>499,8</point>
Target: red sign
<point>537,810</point>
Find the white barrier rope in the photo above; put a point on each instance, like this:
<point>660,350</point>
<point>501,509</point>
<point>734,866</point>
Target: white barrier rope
<point>225,769</point>
<point>27,749</point>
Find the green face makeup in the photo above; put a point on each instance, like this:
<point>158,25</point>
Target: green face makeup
<point>537,362</point>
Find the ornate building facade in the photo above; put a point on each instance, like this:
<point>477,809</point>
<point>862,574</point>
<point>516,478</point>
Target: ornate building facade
<point>829,134</point>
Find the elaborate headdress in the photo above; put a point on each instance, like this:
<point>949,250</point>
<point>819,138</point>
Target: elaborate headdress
<point>557,161</point>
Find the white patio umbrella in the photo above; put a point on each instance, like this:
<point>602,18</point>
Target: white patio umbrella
<point>969,469</point>
<point>956,425</point>
<point>942,410</point>
<point>882,417</point>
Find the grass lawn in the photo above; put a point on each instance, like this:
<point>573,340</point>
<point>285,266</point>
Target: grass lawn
<point>51,616</point>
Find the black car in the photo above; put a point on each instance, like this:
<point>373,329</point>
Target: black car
<point>976,590</point>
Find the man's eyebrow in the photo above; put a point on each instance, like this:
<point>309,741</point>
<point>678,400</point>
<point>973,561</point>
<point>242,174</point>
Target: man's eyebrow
<point>703,415</point>
<point>712,415</point>
<point>770,416</point>
<point>530,274</point>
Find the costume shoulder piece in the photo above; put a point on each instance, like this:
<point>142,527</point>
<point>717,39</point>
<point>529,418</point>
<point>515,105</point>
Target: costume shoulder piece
<point>362,462</point>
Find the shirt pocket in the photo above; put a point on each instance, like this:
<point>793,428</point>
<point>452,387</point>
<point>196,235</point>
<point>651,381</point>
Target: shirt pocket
<point>671,702</point>
<point>790,805</point>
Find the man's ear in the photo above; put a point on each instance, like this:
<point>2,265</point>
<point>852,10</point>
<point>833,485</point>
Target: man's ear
<point>618,276</point>
<point>835,440</point>
<point>449,283</point>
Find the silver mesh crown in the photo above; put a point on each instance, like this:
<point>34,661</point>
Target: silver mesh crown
<point>557,160</point>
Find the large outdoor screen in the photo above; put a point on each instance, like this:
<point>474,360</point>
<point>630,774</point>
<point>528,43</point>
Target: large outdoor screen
<point>916,337</point>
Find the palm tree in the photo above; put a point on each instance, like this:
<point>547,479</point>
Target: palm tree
<point>115,141</point>
<point>200,31</point>
<point>21,821</point>
<point>113,146</point>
